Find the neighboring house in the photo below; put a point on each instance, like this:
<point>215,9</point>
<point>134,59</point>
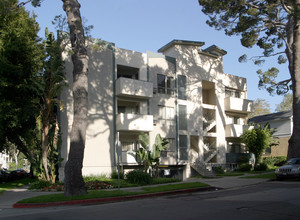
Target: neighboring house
<point>282,122</point>
<point>180,93</point>
<point>4,159</point>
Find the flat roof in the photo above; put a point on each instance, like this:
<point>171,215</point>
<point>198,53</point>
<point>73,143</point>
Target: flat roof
<point>182,42</point>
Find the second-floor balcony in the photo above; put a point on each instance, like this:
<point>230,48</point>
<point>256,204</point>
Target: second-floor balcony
<point>134,88</point>
<point>235,130</point>
<point>238,105</point>
<point>134,122</point>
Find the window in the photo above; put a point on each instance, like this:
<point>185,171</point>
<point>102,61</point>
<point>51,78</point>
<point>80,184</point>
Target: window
<point>165,84</point>
<point>235,148</point>
<point>237,94</point>
<point>232,93</point>
<point>236,120</point>
<point>127,72</point>
<point>170,149</point>
<point>182,87</point>
<point>268,151</point>
<point>166,115</point>
<point>183,155</point>
<point>128,146</point>
<point>182,117</point>
<point>128,107</point>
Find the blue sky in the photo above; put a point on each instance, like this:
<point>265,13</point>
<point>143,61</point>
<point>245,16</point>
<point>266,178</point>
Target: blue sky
<point>142,25</point>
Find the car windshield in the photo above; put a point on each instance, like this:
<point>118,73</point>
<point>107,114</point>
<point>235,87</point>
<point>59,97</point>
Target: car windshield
<point>292,161</point>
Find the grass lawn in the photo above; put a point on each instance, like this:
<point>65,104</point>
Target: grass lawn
<point>111,193</point>
<point>15,184</point>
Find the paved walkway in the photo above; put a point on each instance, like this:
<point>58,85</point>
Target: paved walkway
<point>10,197</point>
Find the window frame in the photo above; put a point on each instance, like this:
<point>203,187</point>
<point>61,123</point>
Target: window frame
<point>182,87</point>
<point>164,117</point>
<point>183,148</point>
<point>165,84</point>
<point>182,116</point>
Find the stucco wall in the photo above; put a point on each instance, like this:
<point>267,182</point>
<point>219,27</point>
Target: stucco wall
<point>99,155</point>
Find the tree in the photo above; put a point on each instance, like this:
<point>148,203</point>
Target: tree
<point>21,60</point>
<point>286,104</point>
<point>260,107</point>
<point>53,82</point>
<point>151,158</point>
<point>257,140</point>
<point>74,183</point>
<point>272,26</point>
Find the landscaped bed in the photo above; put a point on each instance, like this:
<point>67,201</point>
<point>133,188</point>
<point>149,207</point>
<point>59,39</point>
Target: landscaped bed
<point>94,194</point>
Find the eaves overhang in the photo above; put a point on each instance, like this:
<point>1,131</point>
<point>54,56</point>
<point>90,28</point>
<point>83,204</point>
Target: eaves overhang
<point>180,42</point>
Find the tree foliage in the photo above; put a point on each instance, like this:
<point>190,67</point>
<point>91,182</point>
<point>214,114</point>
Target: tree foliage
<point>258,139</point>
<point>260,107</point>
<point>21,62</point>
<point>273,26</point>
<point>151,157</point>
<point>53,81</point>
<point>286,104</point>
<point>260,23</point>
<point>74,183</point>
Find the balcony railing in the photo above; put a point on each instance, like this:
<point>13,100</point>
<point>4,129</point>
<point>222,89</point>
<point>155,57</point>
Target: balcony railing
<point>235,130</point>
<point>134,88</point>
<point>238,105</point>
<point>134,122</point>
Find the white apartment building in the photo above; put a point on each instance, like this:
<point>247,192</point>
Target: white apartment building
<point>180,93</point>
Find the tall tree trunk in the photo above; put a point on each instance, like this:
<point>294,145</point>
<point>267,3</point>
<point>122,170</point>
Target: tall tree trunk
<point>52,155</point>
<point>45,144</point>
<point>74,184</point>
<point>293,36</point>
<point>16,154</point>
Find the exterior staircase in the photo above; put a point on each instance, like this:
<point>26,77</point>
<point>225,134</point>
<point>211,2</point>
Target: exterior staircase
<point>210,155</point>
<point>201,169</point>
<point>208,126</point>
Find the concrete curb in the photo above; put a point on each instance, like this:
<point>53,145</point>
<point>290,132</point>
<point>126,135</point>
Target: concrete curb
<point>111,199</point>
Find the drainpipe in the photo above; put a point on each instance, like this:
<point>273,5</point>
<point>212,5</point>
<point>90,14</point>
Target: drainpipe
<point>176,115</point>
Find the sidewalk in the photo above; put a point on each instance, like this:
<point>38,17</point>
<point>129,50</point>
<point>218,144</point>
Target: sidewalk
<point>10,197</point>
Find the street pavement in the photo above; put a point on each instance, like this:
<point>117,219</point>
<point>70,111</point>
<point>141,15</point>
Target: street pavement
<point>10,197</point>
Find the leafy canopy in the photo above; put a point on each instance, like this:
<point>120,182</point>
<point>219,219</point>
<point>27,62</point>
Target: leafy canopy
<point>260,107</point>
<point>286,104</point>
<point>258,139</point>
<point>21,60</point>
<point>260,23</point>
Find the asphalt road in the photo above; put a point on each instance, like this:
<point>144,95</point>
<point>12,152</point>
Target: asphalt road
<point>269,200</point>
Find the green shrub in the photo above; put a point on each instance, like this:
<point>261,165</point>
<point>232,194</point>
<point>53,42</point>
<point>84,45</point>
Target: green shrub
<point>114,175</point>
<point>218,170</point>
<point>39,184</point>
<point>275,161</point>
<point>260,167</point>
<point>138,177</point>
<point>245,167</point>
<point>94,178</point>
<point>161,180</point>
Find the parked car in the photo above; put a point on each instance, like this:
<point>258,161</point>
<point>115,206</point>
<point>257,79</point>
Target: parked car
<point>17,174</point>
<point>4,176</point>
<point>289,170</point>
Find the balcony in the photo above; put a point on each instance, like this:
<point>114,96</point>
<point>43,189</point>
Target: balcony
<point>234,130</point>
<point>238,105</point>
<point>134,122</point>
<point>134,88</point>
